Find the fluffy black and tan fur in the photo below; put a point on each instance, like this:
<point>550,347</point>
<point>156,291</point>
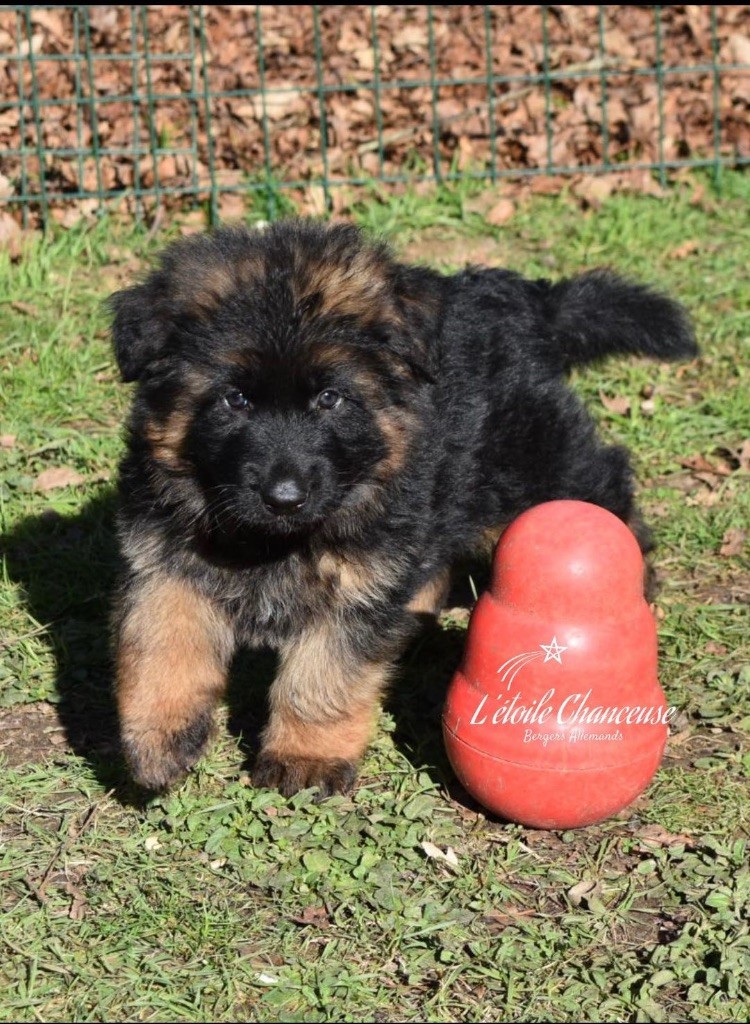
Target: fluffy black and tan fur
<point>318,433</point>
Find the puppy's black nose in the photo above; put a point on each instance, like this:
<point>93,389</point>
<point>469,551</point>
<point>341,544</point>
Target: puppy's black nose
<point>285,496</point>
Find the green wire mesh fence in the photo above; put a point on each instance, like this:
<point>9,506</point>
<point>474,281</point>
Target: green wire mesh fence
<point>144,105</point>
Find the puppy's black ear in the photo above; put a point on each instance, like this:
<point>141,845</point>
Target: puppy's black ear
<point>419,295</point>
<point>139,329</point>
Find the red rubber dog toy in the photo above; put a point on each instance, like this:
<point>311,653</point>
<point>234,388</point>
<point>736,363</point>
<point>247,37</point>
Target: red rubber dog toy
<point>556,718</point>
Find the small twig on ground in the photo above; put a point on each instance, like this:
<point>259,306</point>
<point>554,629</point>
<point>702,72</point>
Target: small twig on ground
<point>38,888</point>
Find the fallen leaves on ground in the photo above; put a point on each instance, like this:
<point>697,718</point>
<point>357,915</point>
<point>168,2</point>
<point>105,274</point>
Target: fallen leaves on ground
<point>314,915</point>
<point>733,542</point>
<point>618,404</point>
<point>685,249</point>
<point>57,476</point>
<point>656,835</point>
<point>369,131</point>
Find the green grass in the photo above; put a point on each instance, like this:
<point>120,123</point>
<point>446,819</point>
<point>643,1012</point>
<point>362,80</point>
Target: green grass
<point>219,902</point>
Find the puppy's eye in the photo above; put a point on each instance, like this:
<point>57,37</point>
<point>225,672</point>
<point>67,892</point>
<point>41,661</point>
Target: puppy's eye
<point>236,400</point>
<point>327,399</point>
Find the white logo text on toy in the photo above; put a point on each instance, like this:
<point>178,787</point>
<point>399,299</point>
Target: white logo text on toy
<point>575,709</point>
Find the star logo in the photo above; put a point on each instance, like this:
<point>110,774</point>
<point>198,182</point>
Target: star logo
<point>552,650</point>
<point>510,668</point>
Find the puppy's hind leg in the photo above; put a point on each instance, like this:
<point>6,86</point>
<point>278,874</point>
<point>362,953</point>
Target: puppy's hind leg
<point>587,470</point>
<point>172,651</point>
<point>553,452</point>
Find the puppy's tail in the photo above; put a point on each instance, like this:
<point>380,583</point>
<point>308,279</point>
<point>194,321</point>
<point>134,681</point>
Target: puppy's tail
<point>599,314</point>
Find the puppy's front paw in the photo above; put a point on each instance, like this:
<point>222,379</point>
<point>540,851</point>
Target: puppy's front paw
<point>157,758</point>
<point>290,774</point>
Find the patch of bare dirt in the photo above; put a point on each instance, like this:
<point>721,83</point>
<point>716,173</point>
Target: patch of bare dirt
<point>30,733</point>
<point>729,587</point>
<point>438,247</point>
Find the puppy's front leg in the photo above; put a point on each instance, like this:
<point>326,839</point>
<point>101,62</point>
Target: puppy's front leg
<point>173,649</point>
<point>323,706</point>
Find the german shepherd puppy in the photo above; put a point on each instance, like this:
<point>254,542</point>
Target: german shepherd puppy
<point>318,434</point>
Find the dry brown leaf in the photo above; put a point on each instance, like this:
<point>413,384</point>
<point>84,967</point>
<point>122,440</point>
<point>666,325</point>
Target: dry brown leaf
<point>681,737</point>
<point>313,202</point>
<point>24,307</point>
<point>501,213</point>
<point>618,404</point>
<point>684,250</point>
<point>7,440</point>
<point>620,45</point>
<point>351,38</point>
<point>697,21</point>
<point>712,480</point>
<point>10,231</point>
<point>660,509</point>
<point>411,36</point>
<point>483,201</point>
<point>313,915</point>
<point>31,46</point>
<point>278,105</point>
<point>78,905</point>
<point>739,49</point>
<point>231,206</point>
<point>70,216</point>
<point>699,194</point>
<point>645,183</point>
<point>57,476</point>
<point>713,648</point>
<point>700,464</point>
<point>593,190</point>
<point>580,891</point>
<point>705,498</point>
<point>732,542</point>
<point>657,835</point>
<point>192,222</point>
<point>545,185</point>
<point>365,58</point>
<point>499,917</point>
<point>49,20</point>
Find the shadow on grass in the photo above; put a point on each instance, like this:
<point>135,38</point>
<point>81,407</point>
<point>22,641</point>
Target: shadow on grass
<point>416,701</point>
<point>67,567</point>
